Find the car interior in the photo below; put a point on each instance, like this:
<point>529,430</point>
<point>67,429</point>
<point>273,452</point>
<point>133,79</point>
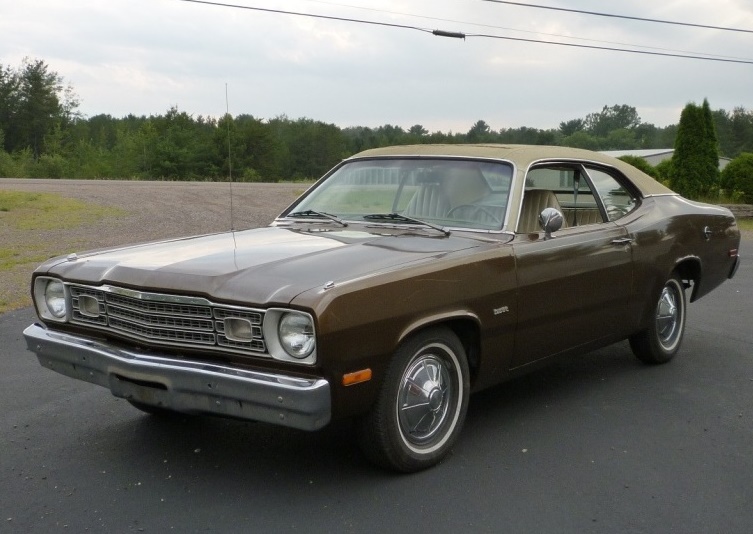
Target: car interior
<point>568,189</point>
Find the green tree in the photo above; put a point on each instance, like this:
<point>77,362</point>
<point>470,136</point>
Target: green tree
<point>695,163</point>
<point>479,132</point>
<point>620,139</point>
<point>572,126</point>
<point>418,130</point>
<point>43,104</point>
<point>9,104</point>
<point>255,152</point>
<point>711,149</point>
<point>735,131</point>
<point>737,177</point>
<point>581,139</point>
<point>664,172</point>
<point>311,147</point>
<point>612,118</point>
<point>641,164</point>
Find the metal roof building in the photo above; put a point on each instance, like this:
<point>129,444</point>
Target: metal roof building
<point>654,156</point>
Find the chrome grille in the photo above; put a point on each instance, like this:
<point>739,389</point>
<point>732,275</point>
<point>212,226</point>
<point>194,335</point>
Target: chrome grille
<point>255,318</point>
<point>162,334</point>
<point>80,318</point>
<point>179,321</point>
<point>167,321</point>
<point>156,307</point>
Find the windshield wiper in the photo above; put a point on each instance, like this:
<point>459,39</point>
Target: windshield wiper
<point>321,214</point>
<point>397,217</point>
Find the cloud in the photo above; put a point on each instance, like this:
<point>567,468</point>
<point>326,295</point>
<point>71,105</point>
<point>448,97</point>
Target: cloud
<point>143,56</point>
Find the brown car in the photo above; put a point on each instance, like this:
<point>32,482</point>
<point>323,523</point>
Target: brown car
<point>405,279</point>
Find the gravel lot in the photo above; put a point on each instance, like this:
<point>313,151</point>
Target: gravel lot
<point>152,210</point>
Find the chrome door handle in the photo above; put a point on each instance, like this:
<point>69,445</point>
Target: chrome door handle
<point>622,241</point>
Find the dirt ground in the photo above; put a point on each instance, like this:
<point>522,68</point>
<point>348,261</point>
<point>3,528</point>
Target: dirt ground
<point>150,211</point>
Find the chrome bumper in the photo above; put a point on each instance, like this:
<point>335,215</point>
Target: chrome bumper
<point>183,386</point>
<point>734,268</point>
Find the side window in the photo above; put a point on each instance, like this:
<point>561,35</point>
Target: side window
<point>574,197</point>
<point>618,201</point>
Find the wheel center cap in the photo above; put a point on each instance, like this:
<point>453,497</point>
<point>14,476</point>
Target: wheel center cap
<point>435,399</point>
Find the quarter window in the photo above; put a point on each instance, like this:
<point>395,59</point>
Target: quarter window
<point>617,200</point>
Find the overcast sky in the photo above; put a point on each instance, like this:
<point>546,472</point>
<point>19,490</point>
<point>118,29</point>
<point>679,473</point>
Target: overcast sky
<point>144,56</point>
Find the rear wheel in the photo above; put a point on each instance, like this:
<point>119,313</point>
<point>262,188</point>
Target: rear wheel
<point>661,340</point>
<point>422,403</point>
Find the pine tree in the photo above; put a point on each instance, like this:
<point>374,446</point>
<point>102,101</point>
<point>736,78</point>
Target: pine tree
<point>695,163</point>
<point>711,152</point>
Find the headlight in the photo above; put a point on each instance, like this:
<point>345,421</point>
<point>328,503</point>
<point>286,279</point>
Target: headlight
<point>296,332</point>
<point>49,295</point>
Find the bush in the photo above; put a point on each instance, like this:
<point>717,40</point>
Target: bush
<point>7,165</point>
<point>51,166</point>
<point>664,171</point>
<point>737,177</point>
<point>641,164</point>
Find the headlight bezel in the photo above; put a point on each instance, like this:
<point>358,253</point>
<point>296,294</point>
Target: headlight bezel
<point>52,299</point>
<point>279,348</point>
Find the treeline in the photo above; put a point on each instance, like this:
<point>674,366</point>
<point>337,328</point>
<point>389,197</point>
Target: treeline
<point>43,135</point>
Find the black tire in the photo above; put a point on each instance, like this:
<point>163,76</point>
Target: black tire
<point>662,339</point>
<point>421,406</point>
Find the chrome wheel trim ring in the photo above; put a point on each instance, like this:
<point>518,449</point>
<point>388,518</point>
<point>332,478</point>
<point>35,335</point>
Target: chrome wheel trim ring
<point>429,399</point>
<point>670,316</point>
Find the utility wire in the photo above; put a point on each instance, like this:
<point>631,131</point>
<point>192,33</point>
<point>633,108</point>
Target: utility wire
<point>611,15</point>
<point>607,48</point>
<point>461,35</point>
<point>495,27</point>
<point>310,15</point>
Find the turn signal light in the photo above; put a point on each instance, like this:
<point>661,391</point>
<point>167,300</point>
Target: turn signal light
<point>364,375</point>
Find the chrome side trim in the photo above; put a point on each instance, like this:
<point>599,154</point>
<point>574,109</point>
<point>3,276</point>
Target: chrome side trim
<point>185,386</point>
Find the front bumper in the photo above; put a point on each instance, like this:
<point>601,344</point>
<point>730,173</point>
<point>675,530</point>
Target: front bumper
<point>734,268</point>
<point>184,386</point>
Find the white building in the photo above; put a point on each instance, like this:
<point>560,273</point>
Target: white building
<point>654,156</point>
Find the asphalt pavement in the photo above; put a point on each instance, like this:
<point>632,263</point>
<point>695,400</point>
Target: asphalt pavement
<point>598,443</point>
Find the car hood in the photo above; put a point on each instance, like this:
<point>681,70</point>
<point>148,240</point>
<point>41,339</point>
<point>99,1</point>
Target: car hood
<point>260,266</point>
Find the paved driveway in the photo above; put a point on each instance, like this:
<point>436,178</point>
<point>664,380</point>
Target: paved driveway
<point>598,443</point>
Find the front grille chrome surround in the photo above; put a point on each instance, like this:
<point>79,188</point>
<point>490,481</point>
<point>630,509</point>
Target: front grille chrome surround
<point>166,320</point>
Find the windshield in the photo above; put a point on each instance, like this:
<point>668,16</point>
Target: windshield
<point>446,192</point>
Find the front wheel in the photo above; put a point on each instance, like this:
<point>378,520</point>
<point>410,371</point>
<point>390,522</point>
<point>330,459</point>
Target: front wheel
<point>661,340</point>
<point>421,405</point>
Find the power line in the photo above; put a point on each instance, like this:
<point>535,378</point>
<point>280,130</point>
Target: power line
<point>310,15</point>
<point>461,35</point>
<point>496,27</point>
<point>611,15</point>
<point>611,49</point>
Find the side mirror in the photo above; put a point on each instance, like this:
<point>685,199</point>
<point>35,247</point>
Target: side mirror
<point>550,220</point>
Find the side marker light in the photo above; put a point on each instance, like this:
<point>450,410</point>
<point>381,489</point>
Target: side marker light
<point>364,375</point>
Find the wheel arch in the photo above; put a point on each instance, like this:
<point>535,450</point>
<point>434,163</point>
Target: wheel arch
<point>466,326</point>
<point>689,270</point>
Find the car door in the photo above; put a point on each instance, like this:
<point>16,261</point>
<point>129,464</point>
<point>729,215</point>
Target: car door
<point>573,288</point>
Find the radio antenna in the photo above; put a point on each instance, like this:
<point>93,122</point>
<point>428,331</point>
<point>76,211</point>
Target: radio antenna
<point>229,160</point>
